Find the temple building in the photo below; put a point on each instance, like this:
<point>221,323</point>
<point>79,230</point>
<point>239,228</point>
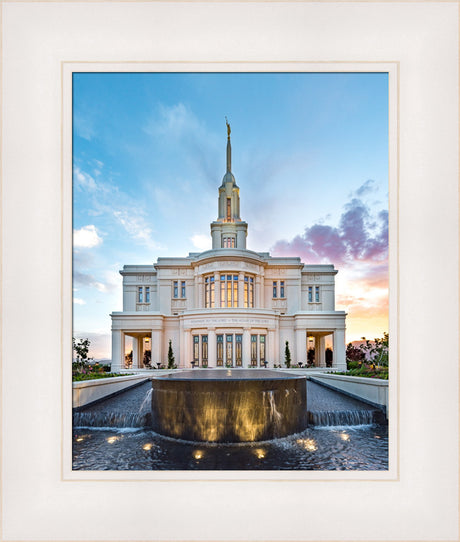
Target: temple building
<point>228,306</point>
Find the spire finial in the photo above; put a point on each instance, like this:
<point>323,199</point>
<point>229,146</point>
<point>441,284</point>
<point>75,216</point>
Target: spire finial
<point>229,147</point>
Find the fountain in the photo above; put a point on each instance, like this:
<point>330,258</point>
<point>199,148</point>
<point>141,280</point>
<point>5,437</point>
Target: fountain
<point>242,405</point>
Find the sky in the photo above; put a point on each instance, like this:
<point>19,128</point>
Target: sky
<point>309,153</point>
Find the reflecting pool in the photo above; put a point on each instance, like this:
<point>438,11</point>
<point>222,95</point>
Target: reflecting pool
<point>322,448</point>
<point>117,434</point>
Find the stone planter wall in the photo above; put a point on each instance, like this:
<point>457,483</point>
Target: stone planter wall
<point>370,390</point>
<point>89,391</point>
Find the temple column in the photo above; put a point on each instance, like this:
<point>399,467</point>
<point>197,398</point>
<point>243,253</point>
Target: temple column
<point>246,347</point>
<point>261,299</point>
<point>200,300</point>
<point>156,347</point>
<point>276,339</point>
<point>271,350</point>
<point>240,235</point>
<point>118,351</point>
<point>180,359</point>
<point>321,349</point>
<point>241,289</point>
<point>257,292</point>
<point>339,356</point>
<point>187,348</point>
<point>301,349</point>
<point>140,353</point>
<point>197,294</point>
<point>216,238</point>
<point>217,289</point>
<point>135,352</point>
<point>212,347</point>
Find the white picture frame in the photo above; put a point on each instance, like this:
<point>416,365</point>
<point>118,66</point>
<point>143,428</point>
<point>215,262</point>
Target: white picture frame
<point>417,499</point>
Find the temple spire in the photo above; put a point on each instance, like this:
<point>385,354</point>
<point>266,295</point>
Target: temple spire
<point>229,231</point>
<point>229,147</point>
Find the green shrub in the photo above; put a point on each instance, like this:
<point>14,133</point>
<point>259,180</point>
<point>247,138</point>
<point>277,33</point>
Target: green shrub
<point>287,355</point>
<point>93,376</point>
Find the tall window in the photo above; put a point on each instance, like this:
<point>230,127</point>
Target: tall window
<point>182,292</point>
<point>253,350</point>
<point>310,294</point>
<point>317,294</point>
<point>239,350</point>
<point>229,353</point>
<point>140,297</point>
<point>282,288</point>
<point>275,290</point>
<point>220,350</point>
<point>229,290</point>
<point>249,292</point>
<point>209,292</point>
<point>229,209</point>
<point>262,349</point>
<point>196,348</point>
<point>147,294</point>
<point>204,350</point>
<point>176,289</point>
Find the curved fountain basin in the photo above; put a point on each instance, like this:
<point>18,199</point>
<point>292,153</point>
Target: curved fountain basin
<point>229,405</point>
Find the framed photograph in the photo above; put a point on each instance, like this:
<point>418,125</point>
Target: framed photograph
<point>227,305</point>
<point>223,182</point>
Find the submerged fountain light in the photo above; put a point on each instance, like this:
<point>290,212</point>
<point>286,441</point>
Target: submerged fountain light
<point>308,443</point>
<point>344,436</point>
<point>111,440</point>
<point>260,453</point>
<point>147,447</point>
<point>197,454</point>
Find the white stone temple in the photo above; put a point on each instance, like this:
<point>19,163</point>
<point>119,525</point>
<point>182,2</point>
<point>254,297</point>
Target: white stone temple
<point>228,306</point>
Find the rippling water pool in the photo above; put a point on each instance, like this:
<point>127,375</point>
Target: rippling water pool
<point>362,447</point>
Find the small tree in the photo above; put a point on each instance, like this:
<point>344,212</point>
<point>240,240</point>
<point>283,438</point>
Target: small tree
<point>310,357</point>
<point>81,348</point>
<point>382,350</point>
<point>329,356</point>
<point>354,353</point>
<point>129,360</point>
<point>287,355</point>
<point>147,358</point>
<point>377,351</point>
<point>170,356</point>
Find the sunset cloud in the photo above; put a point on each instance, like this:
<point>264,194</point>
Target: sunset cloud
<point>361,236</point>
<point>358,247</point>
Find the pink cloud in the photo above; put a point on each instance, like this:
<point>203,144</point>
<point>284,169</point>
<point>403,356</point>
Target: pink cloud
<point>358,247</point>
<point>362,236</point>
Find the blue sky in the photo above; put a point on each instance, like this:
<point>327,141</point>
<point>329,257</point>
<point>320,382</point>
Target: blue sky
<point>309,153</point>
